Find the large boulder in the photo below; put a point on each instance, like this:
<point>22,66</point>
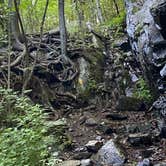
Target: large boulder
<point>146,28</point>
<point>109,155</point>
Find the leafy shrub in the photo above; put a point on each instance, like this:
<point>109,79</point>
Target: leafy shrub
<point>23,140</point>
<point>91,85</point>
<point>142,91</point>
<point>118,20</point>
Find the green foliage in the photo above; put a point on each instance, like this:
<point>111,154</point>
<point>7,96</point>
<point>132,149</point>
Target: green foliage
<point>32,12</point>
<point>90,89</point>
<point>118,20</point>
<point>23,139</point>
<point>91,85</point>
<point>142,91</point>
<point>57,128</point>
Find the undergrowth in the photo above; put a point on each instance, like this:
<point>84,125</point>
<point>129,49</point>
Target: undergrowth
<point>23,140</point>
<point>142,91</point>
<point>118,20</point>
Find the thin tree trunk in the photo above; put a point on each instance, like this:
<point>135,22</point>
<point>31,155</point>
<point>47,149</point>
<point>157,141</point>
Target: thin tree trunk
<point>93,12</point>
<point>14,25</point>
<point>62,26</point>
<point>80,16</point>
<point>22,30</point>
<point>99,11</point>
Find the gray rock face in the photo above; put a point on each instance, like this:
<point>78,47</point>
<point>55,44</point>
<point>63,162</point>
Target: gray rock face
<point>109,155</point>
<point>146,28</point>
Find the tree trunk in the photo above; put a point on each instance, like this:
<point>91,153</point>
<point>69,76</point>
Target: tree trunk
<point>2,20</point>
<point>62,26</point>
<point>14,27</point>
<point>99,12</point>
<point>80,15</point>
<point>93,12</point>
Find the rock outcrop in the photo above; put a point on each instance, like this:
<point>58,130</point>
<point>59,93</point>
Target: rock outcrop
<point>146,29</point>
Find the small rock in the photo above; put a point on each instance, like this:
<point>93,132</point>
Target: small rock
<point>86,162</point>
<point>145,162</point>
<point>129,92</point>
<point>71,130</point>
<point>82,155</point>
<point>55,154</point>
<point>116,116</point>
<point>105,129</point>
<point>99,138</point>
<point>140,139</point>
<point>94,145</point>
<point>134,78</point>
<point>90,122</point>
<point>130,104</point>
<point>163,71</point>
<point>81,149</point>
<point>70,163</point>
<point>109,154</point>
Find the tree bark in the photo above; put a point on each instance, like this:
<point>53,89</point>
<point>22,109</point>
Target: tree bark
<point>14,25</point>
<point>62,26</point>
<point>2,19</point>
<point>99,12</point>
<point>78,13</point>
<point>15,32</point>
